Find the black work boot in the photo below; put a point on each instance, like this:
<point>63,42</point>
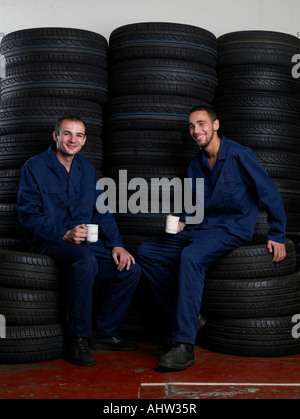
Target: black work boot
<point>180,357</point>
<point>79,353</point>
<point>114,343</point>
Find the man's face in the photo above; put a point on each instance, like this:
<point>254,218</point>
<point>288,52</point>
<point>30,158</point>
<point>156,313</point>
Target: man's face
<point>71,137</point>
<point>202,129</point>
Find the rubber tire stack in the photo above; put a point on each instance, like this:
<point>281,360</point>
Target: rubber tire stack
<point>158,72</point>
<point>258,104</point>
<point>31,299</point>
<point>50,72</point>
<point>248,300</point>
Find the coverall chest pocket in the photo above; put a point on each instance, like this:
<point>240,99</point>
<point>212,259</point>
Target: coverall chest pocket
<point>84,197</point>
<point>229,192</point>
<point>54,200</point>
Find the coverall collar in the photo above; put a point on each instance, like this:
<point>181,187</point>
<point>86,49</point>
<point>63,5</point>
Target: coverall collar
<point>56,164</point>
<point>223,148</point>
<point>222,154</point>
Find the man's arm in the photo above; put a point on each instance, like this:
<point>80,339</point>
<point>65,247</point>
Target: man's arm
<point>278,250</point>
<point>76,235</point>
<point>31,212</point>
<point>270,197</point>
<point>122,258</point>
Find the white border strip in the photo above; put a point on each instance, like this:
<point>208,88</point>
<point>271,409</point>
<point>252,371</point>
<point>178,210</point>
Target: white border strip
<point>222,384</point>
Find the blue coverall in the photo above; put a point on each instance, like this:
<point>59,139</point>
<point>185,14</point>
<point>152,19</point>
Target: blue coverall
<point>232,191</point>
<point>52,201</point>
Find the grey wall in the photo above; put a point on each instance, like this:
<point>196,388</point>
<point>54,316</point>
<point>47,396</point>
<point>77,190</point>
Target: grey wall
<point>103,16</point>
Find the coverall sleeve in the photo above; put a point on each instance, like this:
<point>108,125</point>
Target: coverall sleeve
<point>30,211</point>
<point>190,175</point>
<point>269,196</point>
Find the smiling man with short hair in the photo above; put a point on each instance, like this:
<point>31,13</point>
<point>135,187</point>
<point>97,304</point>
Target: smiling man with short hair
<point>57,198</point>
<point>175,265</point>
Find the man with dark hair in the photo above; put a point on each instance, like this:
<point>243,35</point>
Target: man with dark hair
<point>234,182</point>
<point>73,118</point>
<point>57,198</point>
<point>209,110</point>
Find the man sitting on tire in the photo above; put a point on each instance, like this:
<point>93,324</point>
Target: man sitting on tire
<point>234,183</point>
<point>57,198</point>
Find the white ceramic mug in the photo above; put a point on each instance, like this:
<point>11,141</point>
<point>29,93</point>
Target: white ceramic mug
<point>171,226</point>
<point>92,233</point>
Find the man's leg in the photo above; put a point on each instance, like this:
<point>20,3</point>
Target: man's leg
<point>115,304</point>
<point>159,259</point>
<point>82,268</point>
<point>205,247</point>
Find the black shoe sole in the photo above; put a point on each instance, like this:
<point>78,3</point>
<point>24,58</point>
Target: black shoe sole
<point>105,346</point>
<point>166,365</point>
<point>81,364</point>
<point>98,346</point>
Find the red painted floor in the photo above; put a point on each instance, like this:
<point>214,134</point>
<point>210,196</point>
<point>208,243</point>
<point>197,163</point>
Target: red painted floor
<point>133,375</point>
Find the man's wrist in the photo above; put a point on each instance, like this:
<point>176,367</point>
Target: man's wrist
<point>66,236</point>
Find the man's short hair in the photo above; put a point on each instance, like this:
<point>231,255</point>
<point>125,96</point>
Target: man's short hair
<point>212,114</point>
<point>74,118</point>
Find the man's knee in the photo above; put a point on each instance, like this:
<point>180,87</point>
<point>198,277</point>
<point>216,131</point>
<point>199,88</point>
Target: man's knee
<point>136,272</point>
<point>142,249</point>
<point>133,274</point>
<point>193,263</point>
<point>85,260</point>
<point>142,253</point>
<point>150,250</point>
<point>190,257</point>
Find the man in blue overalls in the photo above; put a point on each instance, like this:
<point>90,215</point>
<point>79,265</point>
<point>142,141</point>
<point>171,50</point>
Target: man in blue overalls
<point>234,182</point>
<point>57,198</point>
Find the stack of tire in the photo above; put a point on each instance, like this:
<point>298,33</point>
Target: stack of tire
<point>158,72</point>
<point>50,72</point>
<point>31,300</point>
<point>258,103</point>
<point>248,300</point>
<point>250,303</point>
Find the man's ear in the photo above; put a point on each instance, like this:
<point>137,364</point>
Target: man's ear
<point>55,136</point>
<point>216,125</point>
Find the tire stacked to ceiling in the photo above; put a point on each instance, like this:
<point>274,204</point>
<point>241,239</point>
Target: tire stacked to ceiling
<point>258,103</point>
<point>248,300</point>
<point>158,72</point>
<point>50,72</point>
